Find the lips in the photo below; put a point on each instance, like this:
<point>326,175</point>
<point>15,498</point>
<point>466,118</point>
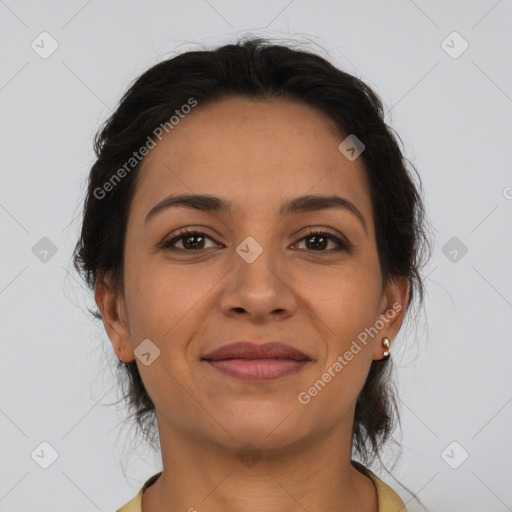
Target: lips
<point>252,362</point>
<point>248,350</point>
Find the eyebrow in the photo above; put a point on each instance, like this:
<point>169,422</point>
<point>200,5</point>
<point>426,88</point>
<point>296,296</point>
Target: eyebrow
<point>209,203</point>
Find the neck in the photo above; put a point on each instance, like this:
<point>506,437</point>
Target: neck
<point>204,477</point>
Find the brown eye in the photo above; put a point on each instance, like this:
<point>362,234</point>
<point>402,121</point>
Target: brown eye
<point>317,241</point>
<point>191,241</point>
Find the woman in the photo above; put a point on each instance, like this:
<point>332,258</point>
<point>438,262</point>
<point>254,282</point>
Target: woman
<point>254,240</point>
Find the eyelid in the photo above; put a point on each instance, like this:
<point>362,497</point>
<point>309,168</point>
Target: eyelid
<point>314,230</point>
<point>339,239</point>
<point>183,233</point>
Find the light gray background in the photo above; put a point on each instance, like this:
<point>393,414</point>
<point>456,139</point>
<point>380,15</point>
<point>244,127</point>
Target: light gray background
<point>455,118</point>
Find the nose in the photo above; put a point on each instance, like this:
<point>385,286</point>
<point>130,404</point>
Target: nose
<point>259,288</point>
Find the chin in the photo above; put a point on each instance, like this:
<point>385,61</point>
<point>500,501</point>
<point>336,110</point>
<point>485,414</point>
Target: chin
<point>274,429</point>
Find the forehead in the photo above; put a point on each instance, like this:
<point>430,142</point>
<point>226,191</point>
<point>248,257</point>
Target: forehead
<point>254,153</point>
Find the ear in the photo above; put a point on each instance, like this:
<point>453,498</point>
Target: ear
<point>113,310</point>
<point>392,311</point>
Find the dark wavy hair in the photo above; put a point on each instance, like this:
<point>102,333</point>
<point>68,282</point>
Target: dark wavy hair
<point>258,69</point>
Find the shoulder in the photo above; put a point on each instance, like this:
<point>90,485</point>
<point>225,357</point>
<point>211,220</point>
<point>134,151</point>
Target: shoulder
<point>135,505</point>
<point>389,501</point>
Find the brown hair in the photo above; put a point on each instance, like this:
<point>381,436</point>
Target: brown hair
<point>258,69</point>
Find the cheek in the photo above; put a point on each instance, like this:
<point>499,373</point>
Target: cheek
<point>343,309</point>
<point>348,351</point>
<point>346,299</point>
<point>163,300</point>
<point>166,306</point>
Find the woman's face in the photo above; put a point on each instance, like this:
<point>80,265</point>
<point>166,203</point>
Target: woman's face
<point>253,274</point>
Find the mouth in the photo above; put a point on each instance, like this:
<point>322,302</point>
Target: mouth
<point>251,362</point>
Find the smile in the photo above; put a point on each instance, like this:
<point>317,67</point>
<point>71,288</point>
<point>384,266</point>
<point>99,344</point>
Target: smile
<point>257,369</point>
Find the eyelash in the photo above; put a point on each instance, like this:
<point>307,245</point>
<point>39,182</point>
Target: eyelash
<point>342,244</point>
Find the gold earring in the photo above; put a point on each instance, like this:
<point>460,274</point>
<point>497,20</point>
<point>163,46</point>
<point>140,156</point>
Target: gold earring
<point>386,344</point>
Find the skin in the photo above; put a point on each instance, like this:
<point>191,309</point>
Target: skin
<point>256,154</point>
